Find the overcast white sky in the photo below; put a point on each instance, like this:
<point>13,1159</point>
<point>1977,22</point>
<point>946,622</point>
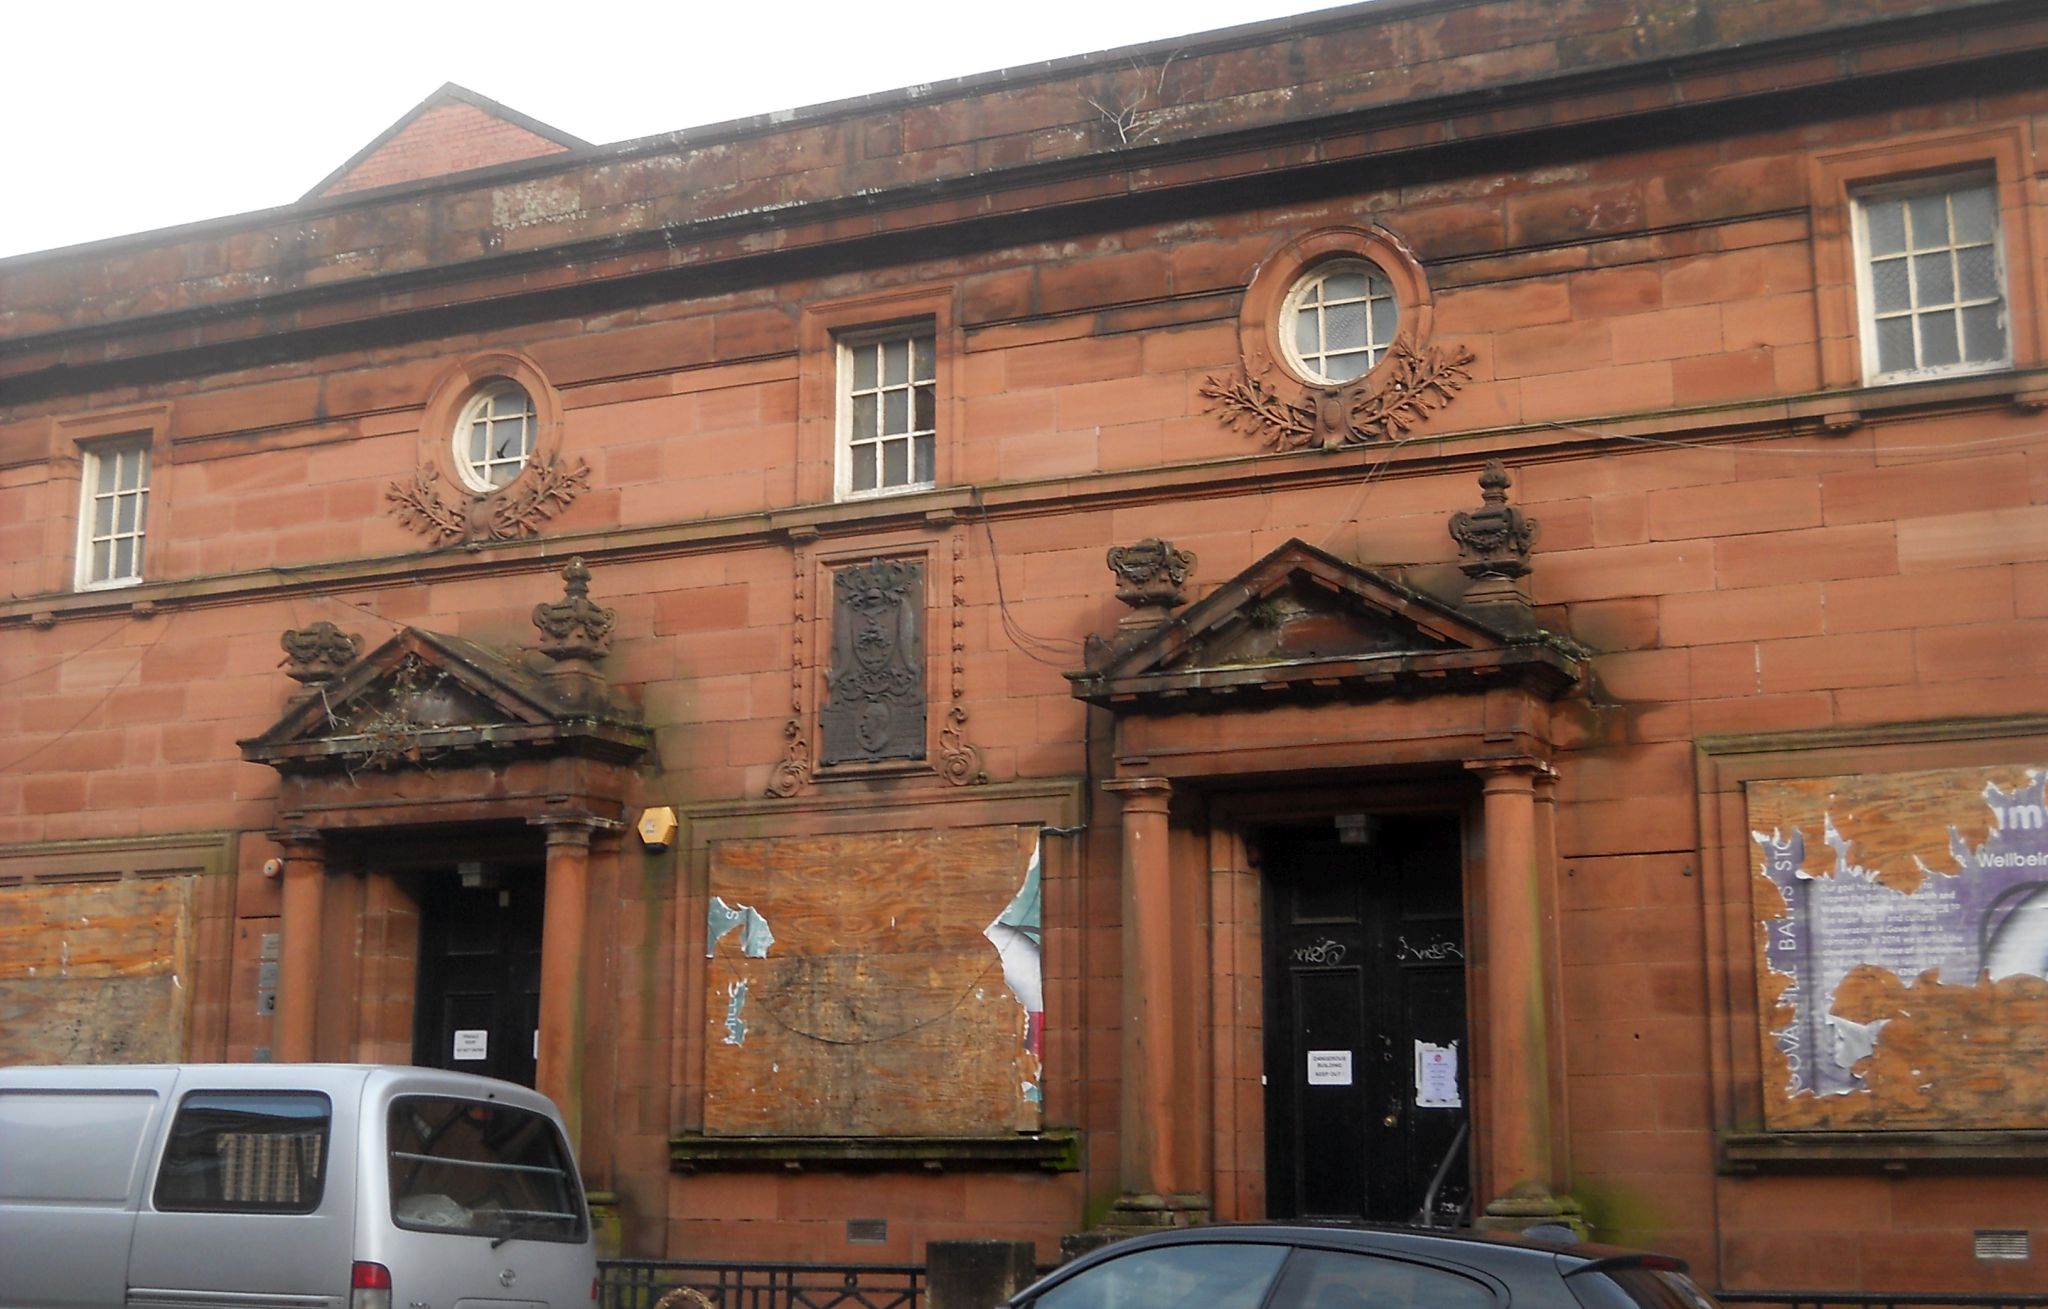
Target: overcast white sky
<point>138,114</point>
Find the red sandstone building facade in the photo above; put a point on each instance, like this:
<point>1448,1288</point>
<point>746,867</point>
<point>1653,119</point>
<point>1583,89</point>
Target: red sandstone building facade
<point>1436,606</point>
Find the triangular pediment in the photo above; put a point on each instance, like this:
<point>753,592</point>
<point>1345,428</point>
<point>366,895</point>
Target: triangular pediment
<point>454,130</point>
<point>1303,622</point>
<point>424,696</point>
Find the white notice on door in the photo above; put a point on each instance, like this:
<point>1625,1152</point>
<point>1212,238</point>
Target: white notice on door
<point>1436,1076</point>
<point>472,1043</point>
<point>1329,1068</point>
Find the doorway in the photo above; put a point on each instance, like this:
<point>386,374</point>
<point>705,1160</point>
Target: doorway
<point>479,983</point>
<point>1366,1047</point>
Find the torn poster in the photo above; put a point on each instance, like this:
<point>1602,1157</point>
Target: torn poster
<point>1018,938</point>
<point>1890,908</point>
<point>755,938</point>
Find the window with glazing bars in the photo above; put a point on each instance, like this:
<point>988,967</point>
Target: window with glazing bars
<point>1932,283</point>
<point>889,424</point>
<point>114,515</point>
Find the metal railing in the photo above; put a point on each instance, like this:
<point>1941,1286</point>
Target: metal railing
<point>670,1284</point>
<point>1881,1300</point>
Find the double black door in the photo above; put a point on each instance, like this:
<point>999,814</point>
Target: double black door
<point>479,986</point>
<point>1365,1007</point>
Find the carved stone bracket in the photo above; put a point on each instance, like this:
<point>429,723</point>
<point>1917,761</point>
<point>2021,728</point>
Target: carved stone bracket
<point>1409,385</point>
<point>316,655</point>
<point>544,488</point>
<point>795,768</point>
<point>959,761</point>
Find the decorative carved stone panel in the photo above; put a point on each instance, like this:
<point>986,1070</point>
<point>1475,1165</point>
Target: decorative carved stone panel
<point>875,707</point>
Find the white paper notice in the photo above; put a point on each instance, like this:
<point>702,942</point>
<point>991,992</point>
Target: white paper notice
<point>1436,1076</point>
<point>1329,1068</point>
<point>472,1043</point>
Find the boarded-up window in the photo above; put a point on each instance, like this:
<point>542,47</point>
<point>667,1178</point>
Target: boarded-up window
<point>879,984</point>
<point>96,972</point>
<point>1901,930</point>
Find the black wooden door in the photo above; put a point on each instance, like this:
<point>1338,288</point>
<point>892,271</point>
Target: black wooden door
<point>479,984</point>
<point>1365,1009</point>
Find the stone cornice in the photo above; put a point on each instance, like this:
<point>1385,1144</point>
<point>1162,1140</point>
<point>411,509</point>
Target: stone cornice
<point>676,205</point>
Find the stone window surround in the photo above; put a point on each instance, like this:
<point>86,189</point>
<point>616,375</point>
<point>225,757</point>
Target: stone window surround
<point>1735,1068</point>
<point>127,533</point>
<point>820,330</point>
<point>78,439</point>
<point>1262,323</point>
<point>1836,178</point>
<point>459,387</point>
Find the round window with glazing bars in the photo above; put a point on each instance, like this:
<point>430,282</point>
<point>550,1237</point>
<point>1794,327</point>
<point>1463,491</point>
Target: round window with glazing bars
<point>494,437</point>
<point>1338,321</point>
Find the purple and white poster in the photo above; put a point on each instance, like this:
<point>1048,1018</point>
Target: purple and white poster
<point>1902,943</point>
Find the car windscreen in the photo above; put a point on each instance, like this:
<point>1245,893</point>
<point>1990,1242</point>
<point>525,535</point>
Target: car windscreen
<point>475,1168</point>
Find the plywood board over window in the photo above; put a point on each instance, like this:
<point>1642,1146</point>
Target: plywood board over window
<point>874,984</point>
<point>1901,930</point>
<point>115,950</point>
<point>96,973</point>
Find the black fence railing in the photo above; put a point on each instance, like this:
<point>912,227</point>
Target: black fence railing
<point>675,1284</point>
<point>1880,1300</point>
<point>667,1284</point>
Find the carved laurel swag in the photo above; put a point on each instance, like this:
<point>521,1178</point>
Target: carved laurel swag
<point>544,489</point>
<point>1414,384</point>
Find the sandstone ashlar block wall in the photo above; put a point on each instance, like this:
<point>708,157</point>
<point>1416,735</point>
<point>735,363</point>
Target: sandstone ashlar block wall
<point>1744,542</point>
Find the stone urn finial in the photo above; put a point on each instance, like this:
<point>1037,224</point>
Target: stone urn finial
<point>316,655</point>
<point>1150,576</point>
<point>1494,541</point>
<point>574,627</point>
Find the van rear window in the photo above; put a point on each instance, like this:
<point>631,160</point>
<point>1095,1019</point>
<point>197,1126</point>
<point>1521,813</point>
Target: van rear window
<point>246,1152</point>
<point>475,1168</point>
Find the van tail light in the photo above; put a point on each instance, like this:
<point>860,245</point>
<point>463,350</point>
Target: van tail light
<point>369,1286</point>
<point>593,1289</point>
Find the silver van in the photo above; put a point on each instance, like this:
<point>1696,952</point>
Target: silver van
<point>286,1186</point>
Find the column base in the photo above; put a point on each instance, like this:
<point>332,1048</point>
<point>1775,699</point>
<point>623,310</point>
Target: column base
<point>1529,1209</point>
<point>1135,1215</point>
<point>606,1223</point>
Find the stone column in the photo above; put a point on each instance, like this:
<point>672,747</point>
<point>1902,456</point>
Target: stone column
<point>1515,1129</point>
<point>563,959</point>
<point>298,974</point>
<point>1152,1171</point>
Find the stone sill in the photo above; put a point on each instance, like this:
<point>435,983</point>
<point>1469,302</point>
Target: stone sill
<point>1883,1152</point>
<point>1056,1151</point>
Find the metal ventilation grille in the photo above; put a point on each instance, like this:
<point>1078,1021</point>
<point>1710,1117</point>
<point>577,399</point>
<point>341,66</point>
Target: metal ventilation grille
<point>2002,1245</point>
<point>875,1231</point>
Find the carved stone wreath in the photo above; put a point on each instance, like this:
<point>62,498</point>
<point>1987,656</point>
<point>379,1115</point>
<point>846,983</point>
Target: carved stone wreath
<point>1385,405</point>
<point>544,489</point>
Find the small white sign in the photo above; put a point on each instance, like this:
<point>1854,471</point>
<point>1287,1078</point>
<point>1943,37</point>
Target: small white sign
<point>1436,1076</point>
<point>472,1043</point>
<point>1329,1068</point>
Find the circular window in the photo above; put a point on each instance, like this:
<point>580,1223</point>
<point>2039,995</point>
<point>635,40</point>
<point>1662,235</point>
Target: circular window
<point>1338,321</point>
<point>495,435</point>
